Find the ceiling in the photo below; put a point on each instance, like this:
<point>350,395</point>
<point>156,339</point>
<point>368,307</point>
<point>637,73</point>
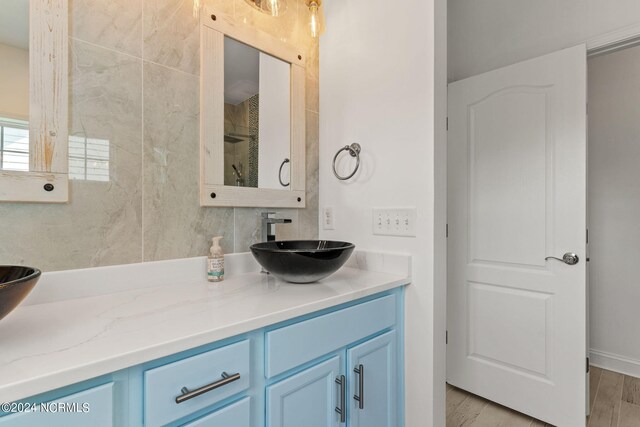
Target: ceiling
<point>14,23</point>
<point>241,71</point>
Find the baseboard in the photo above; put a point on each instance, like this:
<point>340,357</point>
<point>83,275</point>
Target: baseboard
<point>615,363</point>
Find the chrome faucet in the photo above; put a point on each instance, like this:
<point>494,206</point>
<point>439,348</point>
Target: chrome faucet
<point>269,226</point>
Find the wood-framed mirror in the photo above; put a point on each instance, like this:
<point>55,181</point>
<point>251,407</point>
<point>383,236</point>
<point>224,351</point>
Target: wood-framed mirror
<point>252,125</point>
<point>34,101</point>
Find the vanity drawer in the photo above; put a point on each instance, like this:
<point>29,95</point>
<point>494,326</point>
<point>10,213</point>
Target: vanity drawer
<point>237,414</point>
<point>92,407</point>
<point>203,375</point>
<point>302,342</point>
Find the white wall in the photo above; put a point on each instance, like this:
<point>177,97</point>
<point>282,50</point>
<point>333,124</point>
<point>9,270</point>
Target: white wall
<point>485,35</point>
<point>14,82</point>
<point>614,207</point>
<point>378,86</point>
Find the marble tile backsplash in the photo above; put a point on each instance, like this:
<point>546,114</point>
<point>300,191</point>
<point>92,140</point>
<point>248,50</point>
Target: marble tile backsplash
<point>134,89</point>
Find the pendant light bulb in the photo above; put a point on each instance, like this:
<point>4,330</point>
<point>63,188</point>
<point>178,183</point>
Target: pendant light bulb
<point>270,7</point>
<point>196,8</point>
<point>314,24</point>
<point>274,7</point>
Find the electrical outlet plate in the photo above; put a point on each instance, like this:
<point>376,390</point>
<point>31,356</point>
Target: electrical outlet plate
<point>394,222</point>
<point>327,218</point>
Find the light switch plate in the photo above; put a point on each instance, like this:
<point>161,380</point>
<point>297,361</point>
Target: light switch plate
<point>327,218</point>
<point>394,222</point>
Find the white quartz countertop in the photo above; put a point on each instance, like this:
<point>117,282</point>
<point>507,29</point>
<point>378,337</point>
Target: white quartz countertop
<point>51,340</point>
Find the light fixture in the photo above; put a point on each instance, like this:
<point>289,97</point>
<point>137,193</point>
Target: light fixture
<point>316,22</point>
<point>196,8</point>
<point>271,7</point>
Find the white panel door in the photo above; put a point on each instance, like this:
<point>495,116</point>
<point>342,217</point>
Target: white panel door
<point>517,194</point>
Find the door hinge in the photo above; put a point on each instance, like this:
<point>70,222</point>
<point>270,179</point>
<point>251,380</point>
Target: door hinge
<point>446,337</point>
<point>446,233</point>
<point>447,123</point>
<point>588,365</point>
<point>587,236</point>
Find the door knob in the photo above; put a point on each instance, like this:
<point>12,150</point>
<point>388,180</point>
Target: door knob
<point>569,258</point>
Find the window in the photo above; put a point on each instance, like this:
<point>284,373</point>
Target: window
<point>88,158</point>
<point>14,144</point>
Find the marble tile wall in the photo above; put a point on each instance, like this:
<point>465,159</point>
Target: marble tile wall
<point>134,82</point>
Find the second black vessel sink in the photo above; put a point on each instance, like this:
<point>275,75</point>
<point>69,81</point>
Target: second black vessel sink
<point>302,261</point>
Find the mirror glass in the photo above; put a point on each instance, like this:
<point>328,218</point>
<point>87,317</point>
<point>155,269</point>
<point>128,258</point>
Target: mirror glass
<point>14,85</point>
<point>88,157</point>
<point>257,118</point>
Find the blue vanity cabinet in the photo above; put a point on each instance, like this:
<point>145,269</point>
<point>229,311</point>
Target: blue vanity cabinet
<point>355,368</point>
<point>302,342</point>
<point>307,399</point>
<point>373,390</point>
<point>316,397</point>
<point>292,374</point>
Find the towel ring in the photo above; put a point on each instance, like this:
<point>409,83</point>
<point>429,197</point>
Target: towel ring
<point>353,149</point>
<point>280,174</point>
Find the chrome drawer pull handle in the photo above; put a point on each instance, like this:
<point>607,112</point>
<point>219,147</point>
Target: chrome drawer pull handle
<point>187,394</point>
<point>342,410</point>
<point>359,370</point>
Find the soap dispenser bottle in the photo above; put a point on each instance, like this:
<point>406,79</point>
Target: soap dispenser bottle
<point>215,261</point>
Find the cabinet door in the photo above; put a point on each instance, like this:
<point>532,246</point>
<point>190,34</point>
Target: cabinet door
<point>373,387</point>
<point>306,399</point>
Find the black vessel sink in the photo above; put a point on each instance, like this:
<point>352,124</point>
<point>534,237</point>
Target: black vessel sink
<point>302,261</point>
<point>15,284</point>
